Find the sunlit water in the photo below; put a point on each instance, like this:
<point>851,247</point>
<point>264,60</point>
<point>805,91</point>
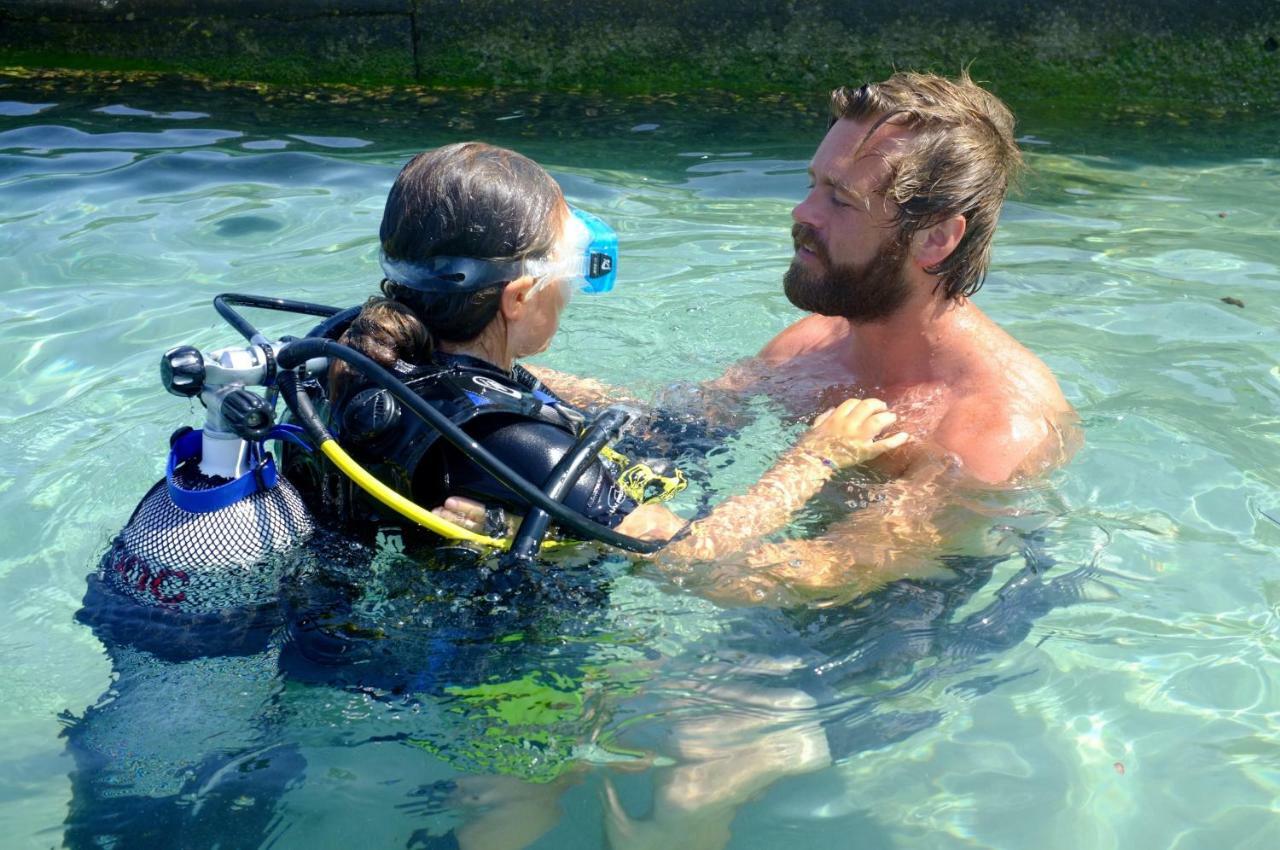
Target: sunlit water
<point>1121,695</point>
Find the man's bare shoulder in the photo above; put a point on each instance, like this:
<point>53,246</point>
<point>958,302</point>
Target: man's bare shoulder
<point>1009,429</point>
<point>1006,416</point>
<point>810,334</point>
<point>977,431</point>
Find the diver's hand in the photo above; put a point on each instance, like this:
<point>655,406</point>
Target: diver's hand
<point>647,522</point>
<point>846,435</point>
<point>470,514</point>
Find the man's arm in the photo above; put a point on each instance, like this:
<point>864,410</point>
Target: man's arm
<point>806,336</point>
<point>810,334</point>
<point>980,444</point>
<point>896,536</point>
<point>718,398</point>
<point>580,392</point>
<point>840,438</point>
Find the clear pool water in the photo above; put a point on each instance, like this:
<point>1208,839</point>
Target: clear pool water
<point>1122,695</point>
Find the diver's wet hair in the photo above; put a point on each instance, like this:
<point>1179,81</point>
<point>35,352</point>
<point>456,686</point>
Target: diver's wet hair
<point>463,200</point>
<point>961,160</point>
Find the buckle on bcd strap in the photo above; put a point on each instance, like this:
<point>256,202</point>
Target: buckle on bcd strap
<point>641,482</point>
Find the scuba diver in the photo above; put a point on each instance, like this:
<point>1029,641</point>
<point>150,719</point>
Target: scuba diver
<point>480,254</point>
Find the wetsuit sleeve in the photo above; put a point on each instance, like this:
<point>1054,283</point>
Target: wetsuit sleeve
<point>532,449</point>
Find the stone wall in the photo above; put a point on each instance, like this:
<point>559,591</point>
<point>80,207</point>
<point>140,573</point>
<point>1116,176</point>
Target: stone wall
<point>1221,52</point>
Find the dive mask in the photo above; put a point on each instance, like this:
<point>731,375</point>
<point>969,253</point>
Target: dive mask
<point>586,259</point>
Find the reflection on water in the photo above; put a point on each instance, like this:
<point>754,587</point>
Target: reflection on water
<point>1112,644</point>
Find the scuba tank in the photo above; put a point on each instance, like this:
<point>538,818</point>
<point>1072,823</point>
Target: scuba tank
<point>200,539</point>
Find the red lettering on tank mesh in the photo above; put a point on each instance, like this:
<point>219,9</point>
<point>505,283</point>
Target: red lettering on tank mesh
<point>173,598</point>
<point>122,566</point>
<point>130,565</point>
<point>144,575</point>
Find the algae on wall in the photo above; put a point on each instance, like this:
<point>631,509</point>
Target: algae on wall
<point>1208,53</point>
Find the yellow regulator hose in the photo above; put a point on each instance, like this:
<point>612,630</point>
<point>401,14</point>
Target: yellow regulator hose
<point>406,508</point>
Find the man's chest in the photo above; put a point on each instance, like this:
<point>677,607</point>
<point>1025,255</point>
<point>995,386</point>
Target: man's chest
<point>817,381</point>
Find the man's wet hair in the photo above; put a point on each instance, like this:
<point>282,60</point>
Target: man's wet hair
<point>961,160</point>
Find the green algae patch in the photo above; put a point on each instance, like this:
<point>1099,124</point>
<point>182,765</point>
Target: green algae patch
<point>1066,64</point>
<point>1071,58</point>
<point>533,727</point>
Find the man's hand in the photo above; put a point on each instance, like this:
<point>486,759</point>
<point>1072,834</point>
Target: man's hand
<point>846,435</point>
<point>651,522</point>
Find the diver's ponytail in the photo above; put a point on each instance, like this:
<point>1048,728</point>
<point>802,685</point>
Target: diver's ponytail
<point>386,330</point>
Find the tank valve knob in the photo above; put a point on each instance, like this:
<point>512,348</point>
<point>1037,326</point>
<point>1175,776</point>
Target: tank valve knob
<point>182,371</point>
<point>247,414</point>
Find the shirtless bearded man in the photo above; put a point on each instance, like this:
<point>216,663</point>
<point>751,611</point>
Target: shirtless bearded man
<point>892,239</point>
<point>890,242</point>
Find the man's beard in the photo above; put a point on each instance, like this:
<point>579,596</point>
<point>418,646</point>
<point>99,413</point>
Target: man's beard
<point>861,293</point>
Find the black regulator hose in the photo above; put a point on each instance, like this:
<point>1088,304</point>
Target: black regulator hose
<point>226,303</point>
<point>563,477</point>
<point>300,351</point>
<point>332,326</point>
